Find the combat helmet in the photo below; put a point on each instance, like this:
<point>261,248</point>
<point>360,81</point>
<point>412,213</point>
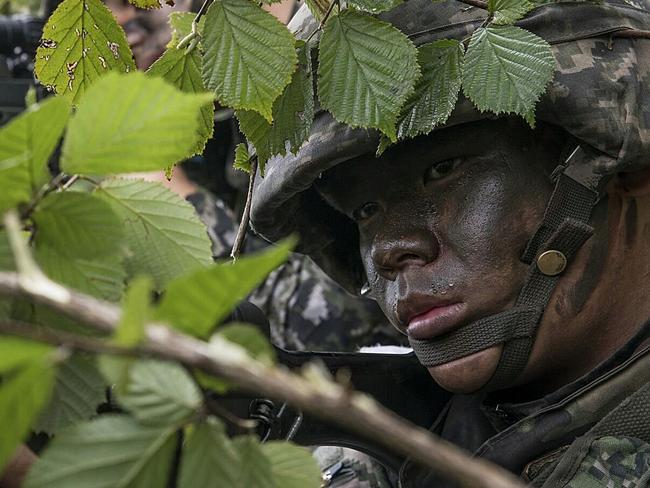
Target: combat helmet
<point>600,94</point>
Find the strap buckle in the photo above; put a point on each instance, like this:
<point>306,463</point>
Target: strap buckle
<point>579,167</point>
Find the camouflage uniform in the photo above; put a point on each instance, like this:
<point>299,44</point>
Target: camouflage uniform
<point>345,468</point>
<point>594,432</point>
<point>306,309</point>
<point>571,438</point>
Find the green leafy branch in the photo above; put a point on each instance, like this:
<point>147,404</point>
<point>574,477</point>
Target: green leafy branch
<point>253,65</point>
<point>70,252</point>
<point>313,391</point>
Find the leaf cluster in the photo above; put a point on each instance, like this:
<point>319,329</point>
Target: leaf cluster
<point>138,244</point>
<point>127,241</point>
<point>369,74</point>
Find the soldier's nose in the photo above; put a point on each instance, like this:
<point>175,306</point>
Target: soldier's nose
<point>393,253</point>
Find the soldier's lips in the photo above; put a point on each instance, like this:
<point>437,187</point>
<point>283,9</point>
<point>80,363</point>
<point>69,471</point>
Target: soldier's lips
<point>436,321</point>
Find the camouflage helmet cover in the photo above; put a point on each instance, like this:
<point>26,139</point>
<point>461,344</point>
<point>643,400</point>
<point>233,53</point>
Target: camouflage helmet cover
<point>600,94</point>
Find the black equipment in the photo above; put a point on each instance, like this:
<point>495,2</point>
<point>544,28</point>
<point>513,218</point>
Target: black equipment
<point>19,38</point>
<point>397,381</point>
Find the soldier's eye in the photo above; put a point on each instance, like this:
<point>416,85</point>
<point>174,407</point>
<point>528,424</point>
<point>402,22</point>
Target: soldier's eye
<point>441,169</point>
<point>365,211</point>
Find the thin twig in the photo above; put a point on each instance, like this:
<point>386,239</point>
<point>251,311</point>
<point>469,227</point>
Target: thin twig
<point>192,39</point>
<point>324,399</point>
<point>245,218</point>
<point>49,187</point>
<point>70,182</point>
<point>65,339</point>
<point>202,11</point>
<point>322,22</point>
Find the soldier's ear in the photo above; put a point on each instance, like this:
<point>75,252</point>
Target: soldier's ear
<point>633,184</point>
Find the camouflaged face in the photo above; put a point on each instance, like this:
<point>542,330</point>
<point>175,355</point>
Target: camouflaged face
<point>600,94</point>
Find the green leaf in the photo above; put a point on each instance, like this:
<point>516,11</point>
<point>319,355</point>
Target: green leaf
<point>210,382</point>
<point>78,242</point>
<point>181,25</point>
<point>254,467</point>
<point>196,302</point>
<point>506,69</point>
<point>251,339</point>
<point>436,92</point>
<point>78,225</point>
<point>508,11</point>
<point>374,6</point>
<point>257,131</point>
<point>318,8</point>
<point>292,466</point>
<point>209,458</point>
<point>115,370</point>
<point>78,391</point>
<point>183,70</point>
<point>30,96</point>
<point>136,308</point>
<point>6,254</point>
<point>15,352</point>
<point>165,237</point>
<point>81,42</point>
<point>147,4</point>
<point>129,123</point>
<point>31,137</point>
<point>374,58</point>
<point>22,396</point>
<point>159,393</point>
<point>293,111</point>
<point>112,451</point>
<point>14,181</point>
<point>242,158</point>
<point>249,56</point>
<point>101,278</point>
<point>293,114</point>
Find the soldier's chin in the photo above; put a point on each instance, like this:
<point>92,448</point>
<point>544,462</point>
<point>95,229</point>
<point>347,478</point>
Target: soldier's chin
<point>468,374</point>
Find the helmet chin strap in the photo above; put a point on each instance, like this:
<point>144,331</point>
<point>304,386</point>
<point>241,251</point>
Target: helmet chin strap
<point>564,229</point>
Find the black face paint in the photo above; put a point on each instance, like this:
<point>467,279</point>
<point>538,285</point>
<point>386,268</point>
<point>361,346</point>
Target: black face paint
<point>451,215</point>
<point>630,220</point>
<point>595,265</point>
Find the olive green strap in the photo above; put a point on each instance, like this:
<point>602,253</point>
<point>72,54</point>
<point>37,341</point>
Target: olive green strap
<point>564,229</point>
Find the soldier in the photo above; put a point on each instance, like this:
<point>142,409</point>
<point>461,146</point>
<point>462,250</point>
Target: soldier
<point>515,260</point>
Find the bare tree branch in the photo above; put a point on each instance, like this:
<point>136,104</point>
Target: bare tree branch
<point>323,398</point>
<point>245,218</point>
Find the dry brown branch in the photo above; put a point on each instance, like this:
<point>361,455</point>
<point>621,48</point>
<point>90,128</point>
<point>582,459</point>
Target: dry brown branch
<point>315,394</point>
<point>325,399</point>
<point>245,218</point>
